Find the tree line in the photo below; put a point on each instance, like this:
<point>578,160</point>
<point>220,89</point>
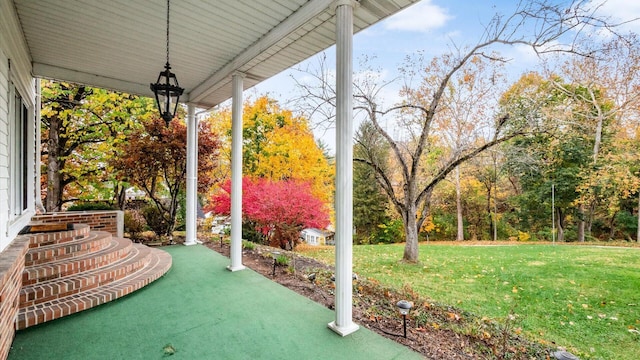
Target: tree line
<point>464,155</point>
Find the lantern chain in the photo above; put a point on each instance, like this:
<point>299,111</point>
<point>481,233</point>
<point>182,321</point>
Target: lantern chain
<point>168,32</point>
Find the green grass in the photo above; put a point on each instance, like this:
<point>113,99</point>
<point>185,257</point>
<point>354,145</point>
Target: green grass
<point>583,298</point>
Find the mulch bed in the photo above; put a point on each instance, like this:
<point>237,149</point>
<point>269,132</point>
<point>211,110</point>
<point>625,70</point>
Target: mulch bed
<point>435,331</point>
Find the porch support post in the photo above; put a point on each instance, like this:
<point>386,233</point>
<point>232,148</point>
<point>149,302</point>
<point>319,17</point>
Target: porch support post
<point>36,181</point>
<point>343,324</point>
<point>192,176</point>
<point>236,174</point>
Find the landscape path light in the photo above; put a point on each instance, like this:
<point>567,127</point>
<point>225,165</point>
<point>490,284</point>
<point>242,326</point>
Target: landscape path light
<point>275,255</point>
<point>404,307</point>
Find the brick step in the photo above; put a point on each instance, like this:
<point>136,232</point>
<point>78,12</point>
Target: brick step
<point>78,231</point>
<point>159,263</point>
<point>95,241</point>
<point>137,258</point>
<point>117,249</point>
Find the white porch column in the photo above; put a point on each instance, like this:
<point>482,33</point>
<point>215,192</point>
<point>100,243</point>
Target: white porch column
<point>36,181</point>
<point>236,174</point>
<point>344,324</point>
<point>192,175</point>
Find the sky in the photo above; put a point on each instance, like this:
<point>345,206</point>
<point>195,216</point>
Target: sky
<point>432,27</point>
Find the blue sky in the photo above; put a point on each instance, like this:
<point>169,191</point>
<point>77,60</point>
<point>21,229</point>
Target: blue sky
<point>431,26</point>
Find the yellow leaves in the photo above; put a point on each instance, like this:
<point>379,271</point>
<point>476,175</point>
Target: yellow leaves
<point>428,225</point>
<point>523,236</point>
<point>278,146</point>
<point>452,316</point>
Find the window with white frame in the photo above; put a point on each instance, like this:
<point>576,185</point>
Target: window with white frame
<point>18,154</point>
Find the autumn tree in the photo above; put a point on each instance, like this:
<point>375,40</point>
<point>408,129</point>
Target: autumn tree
<point>278,146</point>
<point>279,209</point>
<point>602,91</point>
<point>466,103</point>
<point>422,104</point>
<point>82,129</point>
<point>155,160</point>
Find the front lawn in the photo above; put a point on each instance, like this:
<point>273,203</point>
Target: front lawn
<point>584,298</point>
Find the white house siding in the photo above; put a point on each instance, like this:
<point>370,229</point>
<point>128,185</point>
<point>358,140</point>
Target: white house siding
<point>15,75</point>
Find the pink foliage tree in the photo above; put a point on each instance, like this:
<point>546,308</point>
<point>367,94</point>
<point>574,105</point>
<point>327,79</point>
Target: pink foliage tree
<point>279,210</point>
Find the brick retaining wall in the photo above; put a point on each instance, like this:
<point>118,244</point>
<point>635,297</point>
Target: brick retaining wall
<point>108,220</point>
<point>11,267</point>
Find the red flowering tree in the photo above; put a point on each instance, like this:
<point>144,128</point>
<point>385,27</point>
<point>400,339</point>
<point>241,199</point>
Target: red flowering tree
<point>279,210</point>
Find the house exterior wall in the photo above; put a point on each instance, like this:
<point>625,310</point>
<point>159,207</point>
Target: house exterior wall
<point>15,78</point>
<point>313,237</point>
<point>15,210</point>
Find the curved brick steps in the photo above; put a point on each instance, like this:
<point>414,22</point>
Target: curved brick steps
<point>117,249</point>
<point>76,269</point>
<point>93,242</point>
<point>77,232</point>
<point>159,264</point>
<point>44,291</point>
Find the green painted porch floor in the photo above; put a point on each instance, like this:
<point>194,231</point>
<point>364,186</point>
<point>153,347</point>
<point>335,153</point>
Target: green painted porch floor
<point>203,311</point>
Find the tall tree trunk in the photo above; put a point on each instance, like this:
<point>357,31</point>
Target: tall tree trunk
<point>638,231</point>
<point>596,152</point>
<point>489,211</point>
<point>411,234</point>
<point>560,225</point>
<point>460,235</point>
<point>581,223</point>
<point>54,178</point>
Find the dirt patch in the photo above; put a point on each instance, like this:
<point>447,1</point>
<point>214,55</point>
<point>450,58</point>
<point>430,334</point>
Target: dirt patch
<point>436,331</point>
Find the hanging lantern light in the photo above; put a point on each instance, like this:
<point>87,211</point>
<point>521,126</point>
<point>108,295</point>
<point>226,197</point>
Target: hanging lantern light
<point>166,89</point>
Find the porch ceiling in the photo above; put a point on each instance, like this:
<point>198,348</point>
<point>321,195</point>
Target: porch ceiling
<point>120,44</point>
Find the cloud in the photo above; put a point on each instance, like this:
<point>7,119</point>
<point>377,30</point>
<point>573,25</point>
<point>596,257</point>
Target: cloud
<point>621,11</point>
<point>422,17</point>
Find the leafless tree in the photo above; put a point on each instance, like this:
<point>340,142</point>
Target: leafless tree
<point>417,163</point>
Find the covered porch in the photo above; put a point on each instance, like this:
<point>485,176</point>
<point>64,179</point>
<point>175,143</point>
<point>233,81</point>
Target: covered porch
<point>190,311</point>
<point>217,50</point>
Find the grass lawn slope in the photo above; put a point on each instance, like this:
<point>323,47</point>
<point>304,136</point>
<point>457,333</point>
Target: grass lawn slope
<point>584,298</point>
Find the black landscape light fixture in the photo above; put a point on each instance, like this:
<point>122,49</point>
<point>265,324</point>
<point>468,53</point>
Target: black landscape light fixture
<point>404,307</point>
<point>166,89</point>
<point>275,255</point>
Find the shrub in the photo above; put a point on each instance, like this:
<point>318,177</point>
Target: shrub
<point>91,206</point>
<point>156,220</point>
<point>248,245</point>
<point>282,260</point>
<point>134,224</point>
<point>388,233</point>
